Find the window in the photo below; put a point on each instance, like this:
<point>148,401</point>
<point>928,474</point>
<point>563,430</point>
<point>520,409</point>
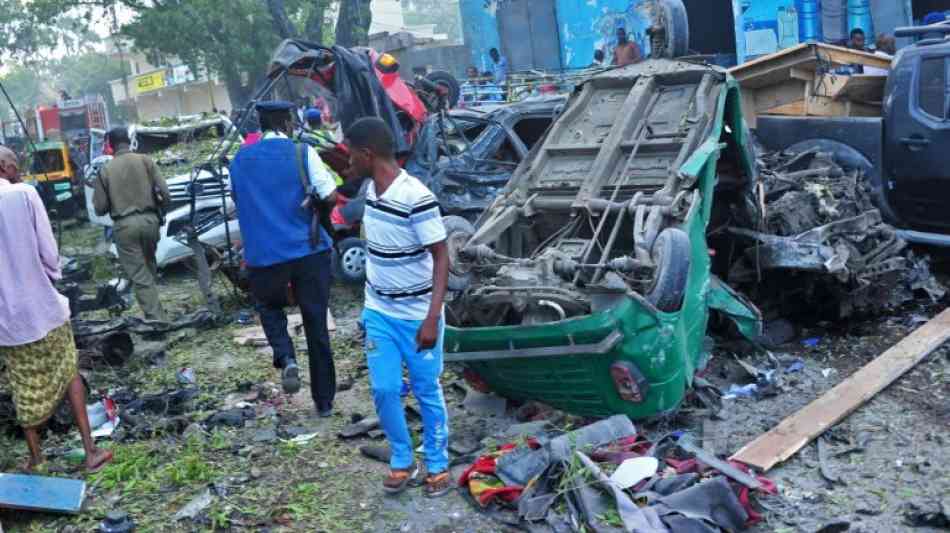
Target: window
<point>530,130</point>
<point>932,87</point>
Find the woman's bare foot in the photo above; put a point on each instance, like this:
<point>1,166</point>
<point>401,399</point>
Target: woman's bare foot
<point>97,459</point>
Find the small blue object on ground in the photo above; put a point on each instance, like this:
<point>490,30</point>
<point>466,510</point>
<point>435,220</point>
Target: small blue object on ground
<point>812,342</point>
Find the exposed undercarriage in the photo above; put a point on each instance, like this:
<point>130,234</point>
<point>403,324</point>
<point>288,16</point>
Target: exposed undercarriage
<point>605,206</point>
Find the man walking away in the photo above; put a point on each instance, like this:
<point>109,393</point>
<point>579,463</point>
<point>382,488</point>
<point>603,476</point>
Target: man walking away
<point>271,182</point>
<point>407,272</point>
<point>499,67</point>
<point>627,52</point>
<point>132,191</point>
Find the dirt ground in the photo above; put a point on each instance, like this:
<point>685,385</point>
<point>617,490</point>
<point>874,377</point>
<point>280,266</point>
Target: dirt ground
<point>891,453</point>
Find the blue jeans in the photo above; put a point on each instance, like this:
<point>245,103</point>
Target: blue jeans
<point>390,342</point>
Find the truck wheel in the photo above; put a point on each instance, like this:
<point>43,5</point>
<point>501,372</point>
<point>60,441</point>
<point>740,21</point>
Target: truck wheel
<point>351,263</point>
<point>447,80</point>
<point>671,254</point>
<point>458,231</point>
<point>672,15</point>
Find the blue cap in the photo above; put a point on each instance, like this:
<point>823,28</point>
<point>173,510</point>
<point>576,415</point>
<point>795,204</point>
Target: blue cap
<point>934,18</point>
<point>275,105</point>
<point>312,114</point>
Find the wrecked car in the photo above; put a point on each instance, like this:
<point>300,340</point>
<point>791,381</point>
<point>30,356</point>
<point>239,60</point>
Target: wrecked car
<point>466,156</point>
<point>587,284</point>
<point>824,249</point>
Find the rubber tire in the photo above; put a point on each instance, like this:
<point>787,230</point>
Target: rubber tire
<point>446,79</point>
<point>677,32</point>
<point>349,250</point>
<point>455,226</point>
<point>671,254</point>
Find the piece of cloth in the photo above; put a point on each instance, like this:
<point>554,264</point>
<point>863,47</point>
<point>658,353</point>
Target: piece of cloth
<point>30,307</point>
<point>711,501</point>
<point>390,344</point>
<point>627,54</point>
<point>126,184</point>
<point>136,239</point>
<point>400,226</point>
<point>266,186</point>
<point>500,70</point>
<point>309,278</point>
<point>39,373</point>
<point>874,71</point>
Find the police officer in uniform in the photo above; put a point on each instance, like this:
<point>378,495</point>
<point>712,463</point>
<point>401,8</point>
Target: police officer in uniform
<point>276,183</point>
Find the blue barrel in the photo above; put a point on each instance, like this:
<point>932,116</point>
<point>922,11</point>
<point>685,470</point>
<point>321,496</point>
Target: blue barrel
<point>809,20</point>
<point>859,16</point>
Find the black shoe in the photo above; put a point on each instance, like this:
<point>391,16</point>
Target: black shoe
<point>326,412</point>
<point>290,378</point>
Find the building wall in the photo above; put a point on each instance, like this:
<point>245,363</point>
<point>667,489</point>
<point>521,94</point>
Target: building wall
<point>761,26</point>
<point>585,26</point>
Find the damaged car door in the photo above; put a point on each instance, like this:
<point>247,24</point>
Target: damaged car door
<point>467,156</point>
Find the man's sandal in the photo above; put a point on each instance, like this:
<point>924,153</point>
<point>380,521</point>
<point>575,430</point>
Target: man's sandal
<point>438,485</point>
<point>399,479</point>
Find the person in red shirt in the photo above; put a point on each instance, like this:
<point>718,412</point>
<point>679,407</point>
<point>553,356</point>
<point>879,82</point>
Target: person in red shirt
<point>627,52</point>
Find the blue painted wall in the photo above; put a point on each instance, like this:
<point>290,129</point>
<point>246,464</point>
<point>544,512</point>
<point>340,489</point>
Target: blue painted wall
<point>585,26</point>
<point>480,30</point>
<point>762,26</point>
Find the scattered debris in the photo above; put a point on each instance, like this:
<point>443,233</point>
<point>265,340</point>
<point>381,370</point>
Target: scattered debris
<point>826,245</point>
<point>592,436</point>
<point>791,434</point>
<point>186,376</point>
<point>254,336</point>
<point>634,470</point>
<point>361,427</point>
<point>41,493</point>
<point>234,417</point>
<point>484,404</point>
<point>198,504</point>
<point>666,491</point>
<point>380,453</point>
<point>933,514</point>
<point>117,522</point>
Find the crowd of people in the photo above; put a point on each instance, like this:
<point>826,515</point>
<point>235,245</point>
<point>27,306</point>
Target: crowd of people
<point>283,191</point>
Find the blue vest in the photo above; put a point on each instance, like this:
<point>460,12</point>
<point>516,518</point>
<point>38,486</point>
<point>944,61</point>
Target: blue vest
<point>266,185</point>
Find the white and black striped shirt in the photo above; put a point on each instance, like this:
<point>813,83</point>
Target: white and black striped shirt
<point>399,227</point>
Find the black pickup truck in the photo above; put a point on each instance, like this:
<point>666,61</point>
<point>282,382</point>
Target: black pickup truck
<point>906,152</point>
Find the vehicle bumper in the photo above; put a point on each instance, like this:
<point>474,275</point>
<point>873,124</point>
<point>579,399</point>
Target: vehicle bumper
<point>567,364</point>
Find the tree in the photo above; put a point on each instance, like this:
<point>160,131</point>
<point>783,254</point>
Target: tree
<point>88,73</point>
<point>352,26</point>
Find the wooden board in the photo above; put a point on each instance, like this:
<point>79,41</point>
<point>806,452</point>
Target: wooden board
<point>863,88</point>
<point>785,439</point>
<point>40,493</point>
<point>254,335</point>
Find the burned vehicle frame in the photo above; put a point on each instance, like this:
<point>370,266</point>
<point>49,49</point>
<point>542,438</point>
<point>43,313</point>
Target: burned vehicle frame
<point>467,156</point>
<point>589,281</point>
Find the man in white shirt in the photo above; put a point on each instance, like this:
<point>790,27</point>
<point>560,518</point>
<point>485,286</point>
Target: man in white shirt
<point>407,269</point>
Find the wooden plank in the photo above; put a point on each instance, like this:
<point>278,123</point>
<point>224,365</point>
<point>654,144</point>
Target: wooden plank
<point>863,88</point>
<point>802,57</point>
<point>785,439</point>
<point>40,493</point>
<point>779,95</point>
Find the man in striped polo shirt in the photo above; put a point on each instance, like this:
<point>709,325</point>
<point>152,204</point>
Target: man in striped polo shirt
<point>407,270</point>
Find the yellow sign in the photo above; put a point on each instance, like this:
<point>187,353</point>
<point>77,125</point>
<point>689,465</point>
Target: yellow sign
<point>150,82</point>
